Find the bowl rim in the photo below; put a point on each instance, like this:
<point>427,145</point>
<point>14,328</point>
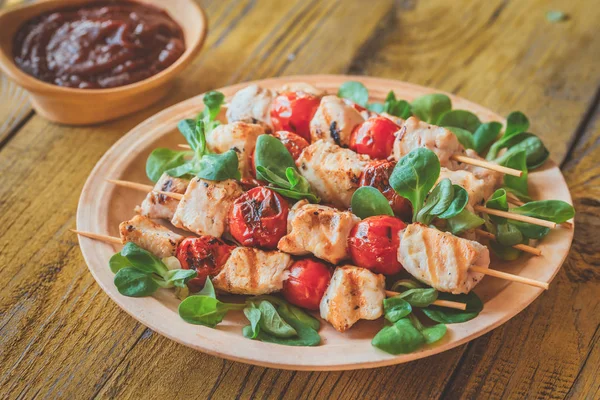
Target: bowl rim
<point>35,85</point>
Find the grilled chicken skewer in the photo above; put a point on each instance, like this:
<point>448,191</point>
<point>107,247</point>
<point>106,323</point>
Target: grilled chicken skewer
<point>239,258</point>
<point>324,231</point>
<point>336,118</point>
<point>158,197</point>
<point>237,270</point>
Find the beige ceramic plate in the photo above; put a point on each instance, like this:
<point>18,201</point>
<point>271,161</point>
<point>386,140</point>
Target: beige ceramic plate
<point>103,206</point>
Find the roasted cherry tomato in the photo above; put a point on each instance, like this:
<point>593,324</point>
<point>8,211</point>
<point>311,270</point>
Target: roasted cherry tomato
<point>374,137</point>
<point>206,255</point>
<point>374,242</point>
<point>293,142</point>
<point>377,174</point>
<point>249,183</point>
<point>258,218</point>
<point>292,111</point>
<point>307,282</point>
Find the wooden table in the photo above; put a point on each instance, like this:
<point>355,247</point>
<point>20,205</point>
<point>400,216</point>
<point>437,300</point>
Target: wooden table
<point>61,336</point>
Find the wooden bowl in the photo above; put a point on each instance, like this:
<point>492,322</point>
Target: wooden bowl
<point>88,106</point>
<point>103,206</point>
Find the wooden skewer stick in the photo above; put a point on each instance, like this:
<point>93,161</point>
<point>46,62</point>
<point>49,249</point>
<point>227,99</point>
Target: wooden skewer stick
<point>441,303</point>
<point>487,164</point>
<point>184,146</point>
<point>509,277</point>
<point>144,188</point>
<point>516,217</point>
<point>524,247</point>
<point>131,185</point>
<point>98,236</point>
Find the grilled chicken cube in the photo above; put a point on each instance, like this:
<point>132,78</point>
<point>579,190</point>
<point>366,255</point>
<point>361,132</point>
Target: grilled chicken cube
<point>150,236</point>
<point>159,206</point>
<point>320,230</point>
<point>238,136</point>
<point>205,205</point>
<point>333,172</point>
<point>353,293</point>
<point>251,104</point>
<point>302,87</point>
<point>415,133</point>
<point>397,120</point>
<point>479,190</point>
<point>441,259</point>
<point>253,271</point>
<point>334,121</point>
<point>493,177</point>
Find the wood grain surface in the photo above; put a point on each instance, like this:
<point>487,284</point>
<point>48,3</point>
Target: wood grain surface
<point>60,335</point>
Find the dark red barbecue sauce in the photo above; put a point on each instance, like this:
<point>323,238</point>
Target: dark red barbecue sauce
<point>99,45</point>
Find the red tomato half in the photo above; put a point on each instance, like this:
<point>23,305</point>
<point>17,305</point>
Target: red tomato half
<point>374,243</point>
<point>258,218</point>
<point>374,137</point>
<point>292,111</point>
<point>377,174</point>
<point>206,255</point>
<point>307,283</point>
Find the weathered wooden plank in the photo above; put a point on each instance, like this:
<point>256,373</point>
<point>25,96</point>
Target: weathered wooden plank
<point>14,107</point>
<point>204,376</point>
<point>502,54</point>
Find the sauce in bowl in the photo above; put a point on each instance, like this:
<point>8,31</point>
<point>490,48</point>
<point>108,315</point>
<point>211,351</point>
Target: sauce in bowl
<point>98,45</point>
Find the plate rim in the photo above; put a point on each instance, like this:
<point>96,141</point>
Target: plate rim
<point>89,247</point>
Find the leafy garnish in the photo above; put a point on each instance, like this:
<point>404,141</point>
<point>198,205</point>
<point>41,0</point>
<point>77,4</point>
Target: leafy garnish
<point>138,273</point>
<point>447,315</point>
<point>413,178</point>
<point>355,92</point>
<point>199,161</point>
<point>275,164</point>
<point>460,119</point>
<point>368,201</point>
<point>431,107</point>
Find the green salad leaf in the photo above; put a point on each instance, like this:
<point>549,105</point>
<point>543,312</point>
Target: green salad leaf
<point>447,315</point>
<point>138,273</point>
<point>356,92</point>
<point>431,107</point>
<point>275,164</point>
<point>368,201</point>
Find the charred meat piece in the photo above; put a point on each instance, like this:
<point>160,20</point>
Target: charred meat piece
<point>205,206</point>
<point>416,133</point>
<point>334,121</point>
<point>159,206</point>
<point>252,271</point>
<point>150,236</point>
<point>239,137</point>
<point>251,104</point>
<point>441,259</point>
<point>333,172</point>
<point>353,294</point>
<point>320,230</point>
